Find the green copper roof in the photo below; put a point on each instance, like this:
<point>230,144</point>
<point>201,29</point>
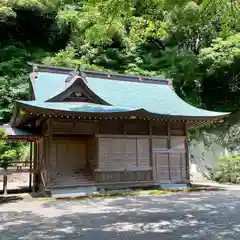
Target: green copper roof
<point>76,107</point>
<point>155,98</point>
<point>16,132</point>
<point>47,85</point>
<point>123,93</point>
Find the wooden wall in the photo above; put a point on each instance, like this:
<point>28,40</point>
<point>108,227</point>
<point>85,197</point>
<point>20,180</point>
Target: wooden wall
<point>120,153</point>
<point>123,150</point>
<point>41,161</point>
<point>170,161</point>
<point>115,127</point>
<point>68,155</point>
<point>92,152</point>
<point>71,127</point>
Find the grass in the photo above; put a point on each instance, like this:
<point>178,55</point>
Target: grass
<point>140,193</point>
<point>115,194</point>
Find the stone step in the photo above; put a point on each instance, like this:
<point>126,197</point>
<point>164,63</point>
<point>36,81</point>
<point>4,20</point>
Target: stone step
<point>73,192</point>
<point>173,186</point>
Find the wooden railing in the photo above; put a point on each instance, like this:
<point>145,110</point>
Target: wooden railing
<point>108,176</point>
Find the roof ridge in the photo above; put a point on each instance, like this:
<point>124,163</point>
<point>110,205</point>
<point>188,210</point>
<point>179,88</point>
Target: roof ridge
<point>52,69</point>
<point>124,77</point>
<point>100,74</point>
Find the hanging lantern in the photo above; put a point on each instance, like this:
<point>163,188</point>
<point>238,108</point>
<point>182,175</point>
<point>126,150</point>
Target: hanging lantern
<point>22,112</point>
<point>132,117</point>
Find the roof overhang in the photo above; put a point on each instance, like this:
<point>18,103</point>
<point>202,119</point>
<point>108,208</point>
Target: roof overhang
<point>150,98</point>
<point>14,133</point>
<point>96,111</point>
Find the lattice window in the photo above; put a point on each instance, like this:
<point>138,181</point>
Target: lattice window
<point>159,143</point>
<point>123,153</point>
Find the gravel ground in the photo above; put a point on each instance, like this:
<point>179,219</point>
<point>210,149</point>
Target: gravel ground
<point>198,215</point>
<point>15,181</point>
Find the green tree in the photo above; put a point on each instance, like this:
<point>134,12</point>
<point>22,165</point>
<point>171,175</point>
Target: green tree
<point>7,154</point>
<point>194,42</point>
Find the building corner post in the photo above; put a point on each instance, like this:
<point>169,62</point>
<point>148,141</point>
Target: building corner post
<point>187,153</point>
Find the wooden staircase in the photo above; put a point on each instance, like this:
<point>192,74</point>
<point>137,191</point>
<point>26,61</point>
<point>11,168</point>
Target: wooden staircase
<point>70,184</point>
<point>81,178</point>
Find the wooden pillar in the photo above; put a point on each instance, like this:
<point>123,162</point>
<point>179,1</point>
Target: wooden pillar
<point>181,168</point>
<point>36,180</point>
<point>125,142</point>
<point>34,165</point>
<point>96,143</point>
<point>31,166</point>
<point>187,152</point>
<point>49,146</point>
<point>153,177</point>
<point>137,164</point>
<point>169,147</point>
<point>5,180</point>
<point>49,140</point>
<point>97,155</point>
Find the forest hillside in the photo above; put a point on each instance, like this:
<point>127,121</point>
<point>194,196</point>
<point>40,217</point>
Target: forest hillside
<point>196,43</point>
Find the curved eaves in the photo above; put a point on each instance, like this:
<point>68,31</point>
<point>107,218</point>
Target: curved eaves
<point>86,109</point>
<point>59,108</point>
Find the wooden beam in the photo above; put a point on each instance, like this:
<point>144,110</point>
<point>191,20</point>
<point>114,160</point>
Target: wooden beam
<point>125,136</point>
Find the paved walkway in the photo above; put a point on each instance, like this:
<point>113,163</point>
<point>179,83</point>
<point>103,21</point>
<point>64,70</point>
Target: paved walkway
<point>229,186</point>
<point>197,215</point>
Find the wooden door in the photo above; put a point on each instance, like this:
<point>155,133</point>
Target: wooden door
<point>177,159</point>
<point>170,167</point>
<point>68,155</point>
<point>162,167</point>
<point>175,162</point>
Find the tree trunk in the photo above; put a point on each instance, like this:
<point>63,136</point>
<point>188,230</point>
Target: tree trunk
<point>5,184</point>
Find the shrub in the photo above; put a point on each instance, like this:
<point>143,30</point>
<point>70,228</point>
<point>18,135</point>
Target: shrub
<point>229,158</point>
<point>7,154</point>
<point>228,171</point>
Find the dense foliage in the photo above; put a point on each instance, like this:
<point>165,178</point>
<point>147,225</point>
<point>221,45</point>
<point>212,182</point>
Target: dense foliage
<point>228,171</point>
<point>9,152</point>
<point>194,42</point>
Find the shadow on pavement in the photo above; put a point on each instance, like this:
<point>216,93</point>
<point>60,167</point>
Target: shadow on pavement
<point>209,215</point>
